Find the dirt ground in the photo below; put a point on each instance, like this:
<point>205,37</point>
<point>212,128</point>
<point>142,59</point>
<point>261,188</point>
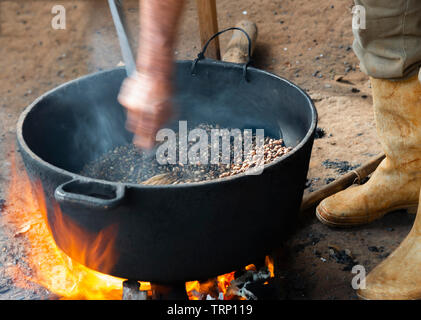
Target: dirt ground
<point>308,42</point>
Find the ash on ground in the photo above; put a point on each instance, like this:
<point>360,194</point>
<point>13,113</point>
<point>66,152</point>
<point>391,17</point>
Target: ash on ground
<point>340,167</point>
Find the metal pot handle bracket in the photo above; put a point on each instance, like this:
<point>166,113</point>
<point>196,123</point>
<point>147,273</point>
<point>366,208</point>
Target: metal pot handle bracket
<point>201,54</point>
<point>91,194</point>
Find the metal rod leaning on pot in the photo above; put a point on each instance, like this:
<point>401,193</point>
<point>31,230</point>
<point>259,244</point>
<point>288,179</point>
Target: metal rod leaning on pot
<point>355,176</point>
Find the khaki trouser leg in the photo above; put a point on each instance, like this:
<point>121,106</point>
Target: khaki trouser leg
<point>390,45</point>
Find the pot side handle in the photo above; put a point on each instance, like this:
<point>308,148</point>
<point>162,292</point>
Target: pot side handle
<point>90,194</point>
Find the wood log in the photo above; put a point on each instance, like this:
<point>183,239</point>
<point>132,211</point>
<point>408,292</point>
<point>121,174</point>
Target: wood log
<point>208,25</point>
<point>355,176</point>
<point>237,50</point>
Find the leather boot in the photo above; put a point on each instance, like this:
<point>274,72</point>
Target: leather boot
<point>398,277</point>
<point>396,182</point>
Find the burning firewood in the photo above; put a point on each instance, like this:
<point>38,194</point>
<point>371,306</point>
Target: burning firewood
<point>239,286</point>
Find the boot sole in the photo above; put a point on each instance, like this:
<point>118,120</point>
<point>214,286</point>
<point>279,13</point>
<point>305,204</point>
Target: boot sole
<point>386,297</point>
<point>361,297</point>
<point>332,221</point>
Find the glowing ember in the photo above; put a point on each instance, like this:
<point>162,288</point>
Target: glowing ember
<point>270,266</point>
<point>54,270</point>
<point>215,289</point>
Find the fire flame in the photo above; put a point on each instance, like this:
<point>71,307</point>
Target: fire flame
<point>54,270</point>
<point>50,267</point>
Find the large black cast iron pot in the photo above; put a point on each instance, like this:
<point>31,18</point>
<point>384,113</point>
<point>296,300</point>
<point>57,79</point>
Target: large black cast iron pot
<point>167,234</point>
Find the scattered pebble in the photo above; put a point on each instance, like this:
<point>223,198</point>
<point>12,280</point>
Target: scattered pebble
<point>320,133</point>
<point>310,182</point>
<point>342,257</point>
<point>376,249</point>
<point>329,180</point>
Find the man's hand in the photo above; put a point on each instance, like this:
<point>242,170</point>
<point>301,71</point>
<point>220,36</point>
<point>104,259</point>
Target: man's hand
<point>147,94</point>
<point>147,100</point>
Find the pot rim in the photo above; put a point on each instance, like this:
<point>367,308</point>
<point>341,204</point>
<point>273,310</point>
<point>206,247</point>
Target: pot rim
<point>72,175</point>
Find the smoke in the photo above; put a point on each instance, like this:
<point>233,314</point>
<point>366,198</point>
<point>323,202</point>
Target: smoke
<point>100,124</point>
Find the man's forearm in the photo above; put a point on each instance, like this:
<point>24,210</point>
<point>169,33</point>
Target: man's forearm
<point>158,29</point>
